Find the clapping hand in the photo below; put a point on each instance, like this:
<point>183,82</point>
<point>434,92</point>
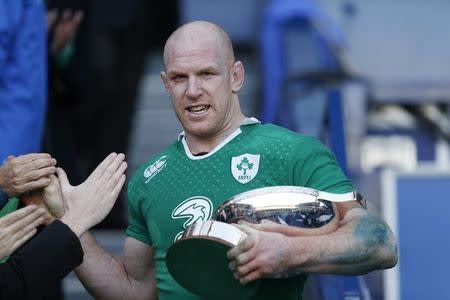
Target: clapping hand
<point>18,227</point>
<point>26,173</point>
<point>88,203</point>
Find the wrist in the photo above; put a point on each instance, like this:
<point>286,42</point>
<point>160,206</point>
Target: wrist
<point>304,252</point>
<point>75,226</point>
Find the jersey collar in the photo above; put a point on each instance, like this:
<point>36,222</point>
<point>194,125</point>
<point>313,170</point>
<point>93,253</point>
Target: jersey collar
<point>181,137</point>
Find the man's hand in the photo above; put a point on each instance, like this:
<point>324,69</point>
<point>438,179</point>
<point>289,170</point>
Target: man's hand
<point>48,198</point>
<point>26,173</point>
<point>259,255</point>
<point>18,227</point>
<point>89,203</point>
<point>53,198</point>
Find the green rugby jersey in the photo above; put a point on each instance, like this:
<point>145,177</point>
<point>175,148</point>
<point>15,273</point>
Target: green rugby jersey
<point>162,190</point>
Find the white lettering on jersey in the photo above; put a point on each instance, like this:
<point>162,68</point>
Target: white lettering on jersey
<point>155,168</point>
<point>194,209</point>
<point>245,167</point>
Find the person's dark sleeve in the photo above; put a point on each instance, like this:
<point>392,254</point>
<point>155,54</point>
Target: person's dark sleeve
<point>41,263</point>
<point>3,198</point>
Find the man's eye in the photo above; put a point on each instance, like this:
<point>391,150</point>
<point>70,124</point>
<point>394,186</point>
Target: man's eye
<point>206,74</point>
<point>178,77</point>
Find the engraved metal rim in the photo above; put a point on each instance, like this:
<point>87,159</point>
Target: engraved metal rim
<point>214,230</point>
<point>288,196</point>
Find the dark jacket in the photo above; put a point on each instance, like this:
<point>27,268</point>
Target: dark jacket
<point>31,271</point>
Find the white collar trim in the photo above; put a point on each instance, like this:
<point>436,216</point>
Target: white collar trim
<point>181,137</point>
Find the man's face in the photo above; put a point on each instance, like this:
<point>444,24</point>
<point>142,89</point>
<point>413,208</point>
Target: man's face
<point>200,82</point>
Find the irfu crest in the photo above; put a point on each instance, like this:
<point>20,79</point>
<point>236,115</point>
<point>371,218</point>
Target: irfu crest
<point>245,167</point>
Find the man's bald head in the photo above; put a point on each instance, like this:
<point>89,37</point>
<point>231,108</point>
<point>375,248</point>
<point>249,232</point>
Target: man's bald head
<point>201,34</point>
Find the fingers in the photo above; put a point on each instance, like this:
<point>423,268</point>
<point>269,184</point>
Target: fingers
<point>33,157</point>
<point>240,260</point>
<point>17,215</point>
<point>115,182</point>
<point>39,173</point>
<point>113,167</point>
<point>98,172</point>
<point>53,185</point>
<point>241,253</point>
<point>25,233</point>
<point>25,224</point>
<point>27,172</point>
<point>244,265</point>
<point>114,174</point>
<point>34,185</point>
<point>244,226</point>
<point>53,198</point>
<point>244,245</point>
<point>39,163</point>
<point>252,276</point>
<point>116,179</point>
<point>118,187</point>
<point>33,166</point>
<point>19,241</point>
<point>62,177</point>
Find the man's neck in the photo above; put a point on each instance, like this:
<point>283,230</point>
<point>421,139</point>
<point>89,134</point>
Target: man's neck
<point>206,145</point>
<point>199,145</point>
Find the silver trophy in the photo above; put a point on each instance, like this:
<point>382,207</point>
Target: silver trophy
<point>287,205</point>
<point>202,247</point>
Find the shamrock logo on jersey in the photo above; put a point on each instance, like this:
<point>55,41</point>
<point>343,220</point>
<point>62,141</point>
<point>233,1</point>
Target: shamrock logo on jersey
<point>245,167</point>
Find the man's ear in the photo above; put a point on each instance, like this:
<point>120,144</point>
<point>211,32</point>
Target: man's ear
<point>237,76</point>
<point>165,80</point>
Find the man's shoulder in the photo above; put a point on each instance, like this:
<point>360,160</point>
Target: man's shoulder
<point>274,132</point>
<point>153,165</point>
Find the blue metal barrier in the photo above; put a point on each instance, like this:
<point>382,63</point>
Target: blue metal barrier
<point>280,17</point>
<point>285,22</point>
<point>416,206</point>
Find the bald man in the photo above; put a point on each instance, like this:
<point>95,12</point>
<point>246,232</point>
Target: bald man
<point>219,154</point>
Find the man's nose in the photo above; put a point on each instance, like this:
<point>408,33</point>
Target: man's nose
<point>193,89</point>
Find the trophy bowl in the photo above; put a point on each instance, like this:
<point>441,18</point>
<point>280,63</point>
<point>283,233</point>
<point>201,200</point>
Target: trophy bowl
<point>202,248</point>
<point>307,211</point>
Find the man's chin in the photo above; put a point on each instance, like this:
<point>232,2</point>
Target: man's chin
<point>202,129</point>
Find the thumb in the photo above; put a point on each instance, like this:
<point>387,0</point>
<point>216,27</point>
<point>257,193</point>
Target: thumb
<point>62,177</point>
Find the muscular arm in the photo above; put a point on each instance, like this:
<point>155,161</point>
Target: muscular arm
<point>362,243</point>
<point>133,277</point>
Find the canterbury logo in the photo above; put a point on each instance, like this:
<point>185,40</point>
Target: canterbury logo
<point>155,168</point>
<point>193,209</point>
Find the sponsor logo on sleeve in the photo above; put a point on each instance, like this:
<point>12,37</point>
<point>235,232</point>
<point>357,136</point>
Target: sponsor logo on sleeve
<point>152,170</point>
